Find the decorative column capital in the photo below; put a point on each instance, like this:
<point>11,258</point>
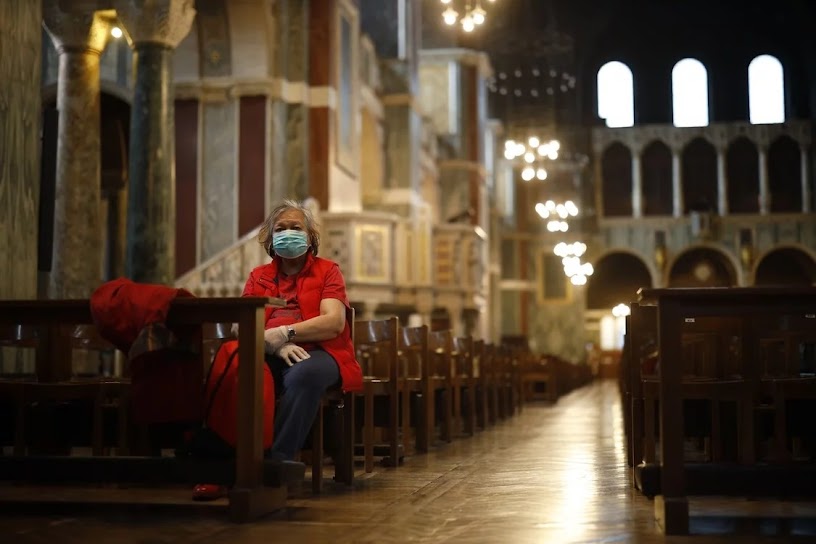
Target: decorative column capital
<point>163,22</point>
<point>76,25</point>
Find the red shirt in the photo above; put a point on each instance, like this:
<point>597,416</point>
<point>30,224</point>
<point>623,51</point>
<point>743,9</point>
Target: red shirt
<point>334,287</point>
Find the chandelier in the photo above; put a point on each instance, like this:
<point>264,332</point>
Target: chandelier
<point>533,154</point>
<point>557,214</point>
<point>472,14</point>
<point>570,255</point>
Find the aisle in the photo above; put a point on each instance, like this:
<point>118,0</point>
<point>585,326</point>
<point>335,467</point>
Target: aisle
<point>554,474</point>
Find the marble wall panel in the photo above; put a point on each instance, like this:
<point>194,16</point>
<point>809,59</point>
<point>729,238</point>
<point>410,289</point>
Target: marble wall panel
<point>186,57</point>
<point>214,38</point>
<point>402,126</point>
<point>297,148</point>
<point>218,168</point>
<point>435,96</point>
<point>454,193</point>
<point>187,125</point>
<point>276,150</point>
<point>20,71</point>
<point>296,33</point>
<point>248,32</point>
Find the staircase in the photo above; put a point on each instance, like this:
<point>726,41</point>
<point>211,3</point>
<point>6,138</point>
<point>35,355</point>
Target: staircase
<point>226,272</point>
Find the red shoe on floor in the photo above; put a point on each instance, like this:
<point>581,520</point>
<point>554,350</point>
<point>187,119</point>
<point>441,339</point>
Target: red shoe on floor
<point>208,492</point>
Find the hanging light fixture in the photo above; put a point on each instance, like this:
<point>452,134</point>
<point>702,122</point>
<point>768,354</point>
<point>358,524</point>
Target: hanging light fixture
<point>471,11</point>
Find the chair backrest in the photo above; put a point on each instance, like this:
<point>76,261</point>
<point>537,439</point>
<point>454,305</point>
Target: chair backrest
<point>463,355</point>
<point>376,343</point>
<point>440,347</point>
<point>414,350</point>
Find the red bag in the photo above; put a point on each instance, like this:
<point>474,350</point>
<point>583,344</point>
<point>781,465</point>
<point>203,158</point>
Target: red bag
<point>221,397</point>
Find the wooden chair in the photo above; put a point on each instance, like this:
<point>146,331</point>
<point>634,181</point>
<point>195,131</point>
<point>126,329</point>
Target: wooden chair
<point>414,362</point>
<point>335,400</point>
<point>482,387</point>
<point>376,343</point>
<point>489,383</point>
<point>440,349</point>
<point>464,383</point>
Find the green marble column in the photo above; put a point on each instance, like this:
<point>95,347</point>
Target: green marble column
<point>155,29</point>
<point>79,37</point>
<point>150,247</point>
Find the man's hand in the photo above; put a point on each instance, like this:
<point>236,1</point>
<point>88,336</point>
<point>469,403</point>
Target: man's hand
<point>274,338</point>
<point>292,353</point>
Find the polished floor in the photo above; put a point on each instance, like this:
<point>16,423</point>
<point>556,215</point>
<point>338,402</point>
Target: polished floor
<point>553,474</point>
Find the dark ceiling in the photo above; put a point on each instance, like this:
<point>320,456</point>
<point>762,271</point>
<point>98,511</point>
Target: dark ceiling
<point>545,52</point>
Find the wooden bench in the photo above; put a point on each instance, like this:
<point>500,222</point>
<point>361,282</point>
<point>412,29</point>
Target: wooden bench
<point>751,307</point>
<point>258,487</point>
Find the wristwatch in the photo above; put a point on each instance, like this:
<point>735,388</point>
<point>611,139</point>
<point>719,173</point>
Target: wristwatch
<point>290,331</point>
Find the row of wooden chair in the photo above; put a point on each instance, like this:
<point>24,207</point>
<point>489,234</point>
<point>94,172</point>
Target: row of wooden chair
<point>420,388</point>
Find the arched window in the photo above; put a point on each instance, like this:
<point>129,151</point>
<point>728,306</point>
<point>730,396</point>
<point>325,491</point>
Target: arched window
<point>616,97</point>
<point>766,90</point>
<point>690,94</point>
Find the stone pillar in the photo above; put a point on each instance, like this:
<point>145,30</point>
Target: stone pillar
<point>637,186</point>
<point>722,183</point>
<point>764,188</point>
<point>155,28</point>
<point>21,46</point>
<point>677,185</point>
<point>288,111</point>
<point>806,193</point>
<point>79,37</point>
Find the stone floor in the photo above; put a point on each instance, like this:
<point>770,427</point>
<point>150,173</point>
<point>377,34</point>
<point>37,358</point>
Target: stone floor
<point>554,474</point>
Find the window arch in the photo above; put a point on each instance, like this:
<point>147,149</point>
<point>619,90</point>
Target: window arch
<point>616,96</point>
<point>690,94</point>
<point>766,90</point>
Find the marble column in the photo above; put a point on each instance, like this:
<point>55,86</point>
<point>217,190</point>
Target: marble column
<point>805,168</point>
<point>21,46</point>
<point>764,187</point>
<point>289,169</point>
<point>79,36</point>
<point>637,186</point>
<point>677,185</point>
<point>155,28</point>
<point>722,183</point>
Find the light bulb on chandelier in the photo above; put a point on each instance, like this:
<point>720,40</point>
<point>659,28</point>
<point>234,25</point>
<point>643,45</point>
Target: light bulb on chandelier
<point>473,14</point>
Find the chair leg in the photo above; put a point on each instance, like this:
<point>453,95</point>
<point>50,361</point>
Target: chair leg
<point>448,396</point>
<point>368,431</point>
<point>429,417</point>
<point>344,464</point>
<point>471,416</point>
<point>394,429</point>
<point>97,436</point>
<point>457,409</point>
<point>405,397</point>
<point>19,428</point>
<point>317,453</point>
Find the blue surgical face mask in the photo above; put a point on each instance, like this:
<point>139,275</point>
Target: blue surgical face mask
<point>290,244</point>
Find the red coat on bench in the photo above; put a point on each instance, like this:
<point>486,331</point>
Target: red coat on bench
<point>165,364</point>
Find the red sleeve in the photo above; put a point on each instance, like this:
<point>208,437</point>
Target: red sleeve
<point>334,286</point>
